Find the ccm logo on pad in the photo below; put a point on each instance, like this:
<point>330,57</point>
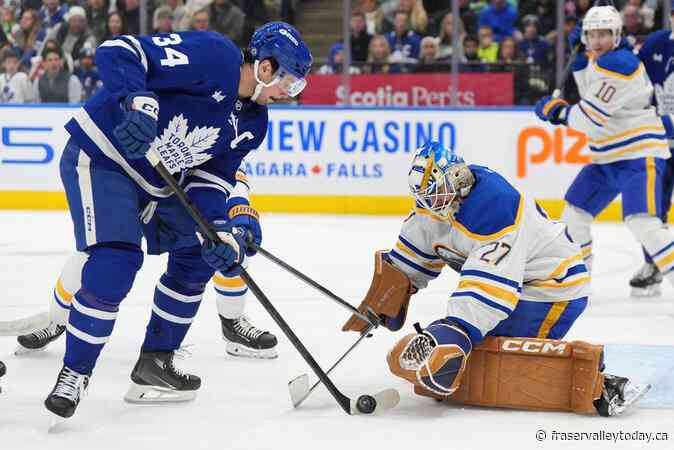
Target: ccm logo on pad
<point>512,345</point>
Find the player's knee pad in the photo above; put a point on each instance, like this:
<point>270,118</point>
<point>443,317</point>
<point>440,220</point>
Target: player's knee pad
<point>67,285</point>
<point>188,267</point>
<point>578,223</point>
<point>110,271</point>
<point>434,360</point>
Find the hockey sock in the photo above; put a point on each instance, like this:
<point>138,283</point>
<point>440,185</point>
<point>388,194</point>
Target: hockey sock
<point>658,241</point>
<point>578,224</point>
<point>230,296</point>
<point>107,277</point>
<point>174,308</point>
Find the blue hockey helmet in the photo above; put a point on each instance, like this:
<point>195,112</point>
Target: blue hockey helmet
<point>437,178</point>
<point>283,43</point>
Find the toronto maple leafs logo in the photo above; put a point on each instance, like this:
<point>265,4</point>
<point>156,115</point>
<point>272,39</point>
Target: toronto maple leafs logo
<point>179,149</point>
<point>665,96</point>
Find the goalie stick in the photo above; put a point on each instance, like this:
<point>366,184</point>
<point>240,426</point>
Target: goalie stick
<point>25,325</point>
<point>366,404</point>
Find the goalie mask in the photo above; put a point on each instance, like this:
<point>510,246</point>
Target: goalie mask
<point>602,18</point>
<point>438,179</point>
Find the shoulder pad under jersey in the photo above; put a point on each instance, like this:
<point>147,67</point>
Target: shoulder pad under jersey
<point>620,63</point>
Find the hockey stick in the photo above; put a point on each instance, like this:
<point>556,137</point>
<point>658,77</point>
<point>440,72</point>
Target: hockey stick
<point>371,318</point>
<point>24,326</point>
<point>299,386</point>
<point>366,404</point>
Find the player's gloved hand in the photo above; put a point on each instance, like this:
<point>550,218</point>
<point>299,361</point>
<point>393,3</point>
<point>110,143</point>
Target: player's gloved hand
<point>574,35</point>
<point>668,123</point>
<point>139,127</point>
<point>227,256</point>
<point>242,215</point>
<point>553,110</point>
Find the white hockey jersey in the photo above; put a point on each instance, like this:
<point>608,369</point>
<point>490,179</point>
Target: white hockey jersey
<point>615,110</point>
<point>16,89</point>
<point>503,245</point>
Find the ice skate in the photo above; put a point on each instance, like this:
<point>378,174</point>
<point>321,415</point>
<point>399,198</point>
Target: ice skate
<point>38,340</point>
<point>646,282</point>
<point>618,395</point>
<point>67,392</point>
<point>155,379</point>
<point>245,340</point>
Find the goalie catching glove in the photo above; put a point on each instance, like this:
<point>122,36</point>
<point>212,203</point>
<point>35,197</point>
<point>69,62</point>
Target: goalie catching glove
<point>387,298</point>
<point>433,359</point>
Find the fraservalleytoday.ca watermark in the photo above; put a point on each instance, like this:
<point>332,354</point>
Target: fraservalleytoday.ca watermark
<point>608,436</point>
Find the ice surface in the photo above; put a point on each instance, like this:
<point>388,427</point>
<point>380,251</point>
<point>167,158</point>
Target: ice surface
<point>244,404</point>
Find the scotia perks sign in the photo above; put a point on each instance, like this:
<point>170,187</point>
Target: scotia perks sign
<point>423,90</point>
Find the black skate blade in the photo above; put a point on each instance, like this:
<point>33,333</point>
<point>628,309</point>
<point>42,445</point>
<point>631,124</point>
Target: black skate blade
<point>386,400</point>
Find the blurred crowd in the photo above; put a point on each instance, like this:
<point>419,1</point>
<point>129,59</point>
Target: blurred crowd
<point>47,47</point>
<point>518,36</point>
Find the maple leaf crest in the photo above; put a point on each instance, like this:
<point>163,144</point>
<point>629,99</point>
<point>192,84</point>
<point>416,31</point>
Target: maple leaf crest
<point>181,150</point>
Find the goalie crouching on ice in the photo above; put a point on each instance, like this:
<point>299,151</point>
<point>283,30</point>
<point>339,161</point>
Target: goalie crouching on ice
<point>522,284</point>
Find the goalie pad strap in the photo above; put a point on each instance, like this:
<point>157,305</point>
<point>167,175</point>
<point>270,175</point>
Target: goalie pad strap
<point>531,374</point>
<point>388,296</point>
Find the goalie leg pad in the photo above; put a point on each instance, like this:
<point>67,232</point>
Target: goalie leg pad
<point>531,374</point>
<point>434,360</point>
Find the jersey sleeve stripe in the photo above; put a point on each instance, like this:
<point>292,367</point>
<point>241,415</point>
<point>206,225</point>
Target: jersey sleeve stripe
<point>493,291</point>
<point>632,132</point>
<point>141,53</point>
<point>629,141</point>
<point>649,144</point>
<point>409,245</point>
<point>565,264</point>
<point>492,277</point>
<point>409,252</point>
<point>484,300</point>
<point>580,107</point>
<point>122,44</point>
<point>195,185</point>
<point>598,109</point>
<point>413,265</point>
<point>591,112</point>
<point>212,178</point>
<point>569,282</point>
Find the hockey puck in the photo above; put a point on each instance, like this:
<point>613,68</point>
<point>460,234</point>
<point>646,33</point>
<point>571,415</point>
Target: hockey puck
<point>3,369</point>
<point>366,404</point>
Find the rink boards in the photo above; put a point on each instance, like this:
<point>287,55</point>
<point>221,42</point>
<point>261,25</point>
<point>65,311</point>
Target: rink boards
<point>328,159</point>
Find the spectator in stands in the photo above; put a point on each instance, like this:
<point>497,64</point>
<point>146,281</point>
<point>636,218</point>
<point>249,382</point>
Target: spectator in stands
<point>57,85</point>
<point>647,12</point>
<point>39,65</point>
<point>374,15</point>
<point>581,7</point>
<point>130,11</point>
<point>508,53</point>
<point>428,57</point>
<point>88,74</point>
<point>535,49</point>
<point>473,62</point>
<point>360,38</point>
<point>178,11</point>
<point>417,18</point>
<point>336,61</point>
<point>500,16</point>
<point>404,42</point>
<point>546,13</point>
<point>15,87</point>
<point>445,41</point>
<point>256,15</point>
<point>30,4</point>
<point>633,29</point>
<point>29,37</point>
<point>115,26</point>
<point>488,49</point>
<point>201,20</point>
<point>97,17</point>
<point>8,21</point>
<point>510,60</point>
<point>163,20</point>
<point>52,14</point>
<point>378,56</point>
<point>228,19</point>
<point>74,34</point>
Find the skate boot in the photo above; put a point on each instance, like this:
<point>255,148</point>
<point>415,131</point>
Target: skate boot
<point>244,339</point>
<point>155,379</point>
<point>618,395</point>
<point>3,371</point>
<point>646,282</point>
<point>38,340</point>
<point>65,396</point>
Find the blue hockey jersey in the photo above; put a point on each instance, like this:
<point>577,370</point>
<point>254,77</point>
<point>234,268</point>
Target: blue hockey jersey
<point>657,54</point>
<point>204,130</point>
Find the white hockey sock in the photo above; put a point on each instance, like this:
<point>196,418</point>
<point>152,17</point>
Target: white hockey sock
<point>656,239</point>
<point>578,225</point>
<point>230,295</point>
<point>67,285</point>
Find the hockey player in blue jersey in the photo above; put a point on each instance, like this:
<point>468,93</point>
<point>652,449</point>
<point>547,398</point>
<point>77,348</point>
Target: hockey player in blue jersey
<point>522,285</point>
<point>628,140</point>
<point>657,55</point>
<point>174,95</point>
